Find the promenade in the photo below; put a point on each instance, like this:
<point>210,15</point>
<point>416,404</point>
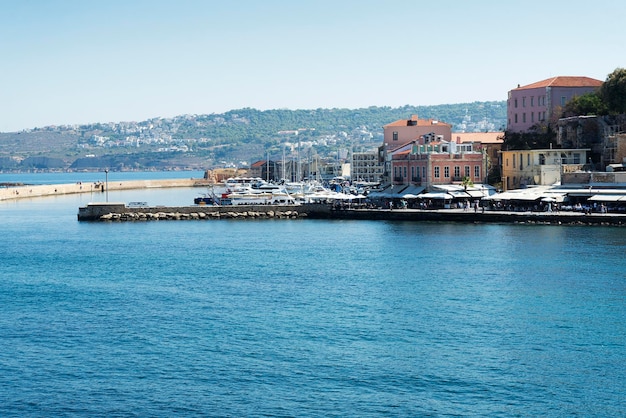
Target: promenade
<point>29,191</point>
<point>470,216</point>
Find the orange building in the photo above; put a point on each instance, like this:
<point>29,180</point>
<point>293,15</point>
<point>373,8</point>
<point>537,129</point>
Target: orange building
<point>403,131</point>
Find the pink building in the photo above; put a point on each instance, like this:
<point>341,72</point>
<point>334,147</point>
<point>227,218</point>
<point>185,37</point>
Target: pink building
<point>423,163</point>
<point>537,102</point>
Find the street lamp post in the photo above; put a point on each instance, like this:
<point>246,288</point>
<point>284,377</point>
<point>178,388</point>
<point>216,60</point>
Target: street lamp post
<point>106,183</point>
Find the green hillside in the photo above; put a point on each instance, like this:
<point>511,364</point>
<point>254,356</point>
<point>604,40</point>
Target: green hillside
<point>236,137</point>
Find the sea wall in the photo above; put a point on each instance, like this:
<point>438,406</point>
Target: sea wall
<point>28,191</point>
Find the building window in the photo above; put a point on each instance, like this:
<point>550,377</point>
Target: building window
<point>446,171</point>
<point>436,172</point>
<point>516,103</point>
<point>563,100</point>
<point>521,161</point>
<point>507,162</point>
<point>467,171</point>
<point>457,171</point>
<point>523,101</point>
<point>523,117</point>
<point>404,172</point>
<point>527,159</point>
<point>532,101</point>
<point>477,171</point>
<point>532,117</point>
<point>395,135</point>
<point>516,118</point>
<point>424,173</point>
<point>413,172</point>
<point>542,159</point>
<point>576,158</point>
<point>513,158</point>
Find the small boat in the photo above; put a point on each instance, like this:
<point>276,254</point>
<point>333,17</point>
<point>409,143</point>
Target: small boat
<point>211,199</point>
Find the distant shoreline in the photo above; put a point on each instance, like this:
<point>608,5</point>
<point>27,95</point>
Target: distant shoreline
<point>39,190</point>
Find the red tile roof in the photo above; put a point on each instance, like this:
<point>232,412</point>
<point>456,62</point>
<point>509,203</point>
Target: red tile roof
<point>564,81</point>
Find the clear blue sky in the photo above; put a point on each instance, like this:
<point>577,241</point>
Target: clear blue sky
<point>82,61</point>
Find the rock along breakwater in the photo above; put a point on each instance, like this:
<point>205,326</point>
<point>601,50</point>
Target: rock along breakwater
<point>120,212</point>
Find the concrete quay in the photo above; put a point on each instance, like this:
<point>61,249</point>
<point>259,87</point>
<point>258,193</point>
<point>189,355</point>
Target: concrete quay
<point>29,191</point>
<point>469,216</point>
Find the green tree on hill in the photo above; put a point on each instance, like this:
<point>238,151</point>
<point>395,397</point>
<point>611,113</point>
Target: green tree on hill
<point>613,92</point>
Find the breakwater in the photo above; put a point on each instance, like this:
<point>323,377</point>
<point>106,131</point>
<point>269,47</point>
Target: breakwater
<point>122,212</point>
<point>42,190</point>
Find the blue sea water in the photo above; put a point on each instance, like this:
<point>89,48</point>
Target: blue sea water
<point>305,317</point>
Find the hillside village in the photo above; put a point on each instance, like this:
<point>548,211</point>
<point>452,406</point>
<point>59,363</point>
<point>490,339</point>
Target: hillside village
<point>233,139</point>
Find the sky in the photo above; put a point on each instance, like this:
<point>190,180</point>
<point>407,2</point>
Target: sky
<point>65,62</point>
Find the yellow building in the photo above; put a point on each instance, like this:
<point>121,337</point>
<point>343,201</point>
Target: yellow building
<point>539,166</point>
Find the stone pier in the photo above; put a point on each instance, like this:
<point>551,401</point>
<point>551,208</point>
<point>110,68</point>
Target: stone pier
<point>27,191</point>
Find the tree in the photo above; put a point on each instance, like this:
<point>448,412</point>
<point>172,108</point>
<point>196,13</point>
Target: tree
<point>537,137</point>
<point>467,182</point>
<point>585,105</point>
<point>613,91</point>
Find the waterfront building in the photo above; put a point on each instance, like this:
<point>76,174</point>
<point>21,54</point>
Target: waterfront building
<point>267,170</point>
<point>489,142</point>
<point>404,131</point>
<point>539,102</point>
<point>523,168</point>
<point>428,163</point>
<point>365,167</point>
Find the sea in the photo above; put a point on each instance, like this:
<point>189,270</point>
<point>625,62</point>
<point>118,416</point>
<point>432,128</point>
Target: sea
<point>303,318</point>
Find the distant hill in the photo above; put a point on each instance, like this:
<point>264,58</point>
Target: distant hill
<point>233,138</point>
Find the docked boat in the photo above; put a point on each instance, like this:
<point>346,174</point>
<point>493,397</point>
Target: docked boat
<point>262,198</point>
<point>233,183</point>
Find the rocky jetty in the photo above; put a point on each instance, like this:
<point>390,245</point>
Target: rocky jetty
<point>121,212</point>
